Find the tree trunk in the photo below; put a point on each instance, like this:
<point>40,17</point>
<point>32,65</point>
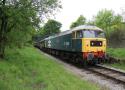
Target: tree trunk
<point>2,49</point>
<point>3,36</point>
<point>3,29</point>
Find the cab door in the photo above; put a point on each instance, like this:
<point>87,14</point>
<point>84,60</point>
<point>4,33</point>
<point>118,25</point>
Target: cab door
<point>77,41</point>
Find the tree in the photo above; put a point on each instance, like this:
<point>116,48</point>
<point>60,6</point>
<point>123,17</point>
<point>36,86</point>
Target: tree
<point>107,20</point>
<point>19,19</point>
<point>117,37</point>
<point>51,27</point>
<point>80,21</point>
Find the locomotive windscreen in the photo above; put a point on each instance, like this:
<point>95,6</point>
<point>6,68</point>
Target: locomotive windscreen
<point>93,34</point>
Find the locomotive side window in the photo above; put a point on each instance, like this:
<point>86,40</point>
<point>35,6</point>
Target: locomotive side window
<point>73,35</point>
<point>79,34</point>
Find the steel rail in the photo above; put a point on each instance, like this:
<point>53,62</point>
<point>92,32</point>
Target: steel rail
<point>110,73</point>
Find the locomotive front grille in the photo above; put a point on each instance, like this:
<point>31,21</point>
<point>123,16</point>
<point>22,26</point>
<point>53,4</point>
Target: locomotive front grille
<point>96,43</point>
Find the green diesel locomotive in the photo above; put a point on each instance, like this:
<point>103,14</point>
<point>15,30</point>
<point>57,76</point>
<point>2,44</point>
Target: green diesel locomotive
<point>83,44</point>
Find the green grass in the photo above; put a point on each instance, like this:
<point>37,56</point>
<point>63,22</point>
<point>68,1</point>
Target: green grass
<point>28,69</point>
<point>118,53</point>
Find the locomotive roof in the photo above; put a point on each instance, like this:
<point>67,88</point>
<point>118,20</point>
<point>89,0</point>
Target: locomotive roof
<point>81,27</point>
<point>87,27</point>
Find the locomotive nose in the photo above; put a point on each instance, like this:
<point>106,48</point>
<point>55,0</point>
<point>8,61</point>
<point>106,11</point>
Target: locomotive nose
<point>93,45</point>
<point>93,48</point>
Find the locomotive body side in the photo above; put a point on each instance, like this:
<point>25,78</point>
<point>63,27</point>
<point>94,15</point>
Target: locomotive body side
<point>64,43</point>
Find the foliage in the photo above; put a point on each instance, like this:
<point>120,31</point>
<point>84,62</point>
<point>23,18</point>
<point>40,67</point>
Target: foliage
<point>51,27</point>
<point>107,20</point>
<point>28,69</point>
<point>20,18</point>
<point>117,37</point>
<point>80,21</point>
<point>90,23</point>
<point>117,53</point>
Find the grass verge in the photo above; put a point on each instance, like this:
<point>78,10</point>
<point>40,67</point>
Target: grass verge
<point>118,53</point>
<point>28,69</point>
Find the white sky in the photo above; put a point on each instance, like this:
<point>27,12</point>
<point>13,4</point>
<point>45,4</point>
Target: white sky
<point>72,9</point>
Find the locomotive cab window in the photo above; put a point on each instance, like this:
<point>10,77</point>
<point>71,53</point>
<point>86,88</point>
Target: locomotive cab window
<point>93,34</point>
<point>79,34</point>
<point>100,34</point>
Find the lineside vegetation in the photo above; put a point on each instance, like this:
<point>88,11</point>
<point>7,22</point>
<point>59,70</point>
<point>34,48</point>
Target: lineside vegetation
<point>118,53</point>
<point>28,69</point>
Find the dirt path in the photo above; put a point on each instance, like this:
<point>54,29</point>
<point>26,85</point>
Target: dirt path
<point>104,83</point>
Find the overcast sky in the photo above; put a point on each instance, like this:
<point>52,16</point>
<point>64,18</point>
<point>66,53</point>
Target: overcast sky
<point>72,9</point>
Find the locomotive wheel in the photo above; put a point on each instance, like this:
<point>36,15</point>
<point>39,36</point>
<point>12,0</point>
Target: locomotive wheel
<point>85,63</point>
<point>82,62</point>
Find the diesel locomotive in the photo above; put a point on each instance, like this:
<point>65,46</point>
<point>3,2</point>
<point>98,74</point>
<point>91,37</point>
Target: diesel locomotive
<point>82,44</point>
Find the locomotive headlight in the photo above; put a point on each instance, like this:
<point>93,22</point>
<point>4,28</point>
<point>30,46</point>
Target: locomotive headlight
<point>100,43</point>
<point>92,43</point>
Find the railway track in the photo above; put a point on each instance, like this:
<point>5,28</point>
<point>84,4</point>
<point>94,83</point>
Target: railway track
<point>113,74</point>
<point>92,73</point>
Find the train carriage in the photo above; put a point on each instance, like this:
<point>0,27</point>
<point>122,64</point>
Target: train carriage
<point>83,44</point>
